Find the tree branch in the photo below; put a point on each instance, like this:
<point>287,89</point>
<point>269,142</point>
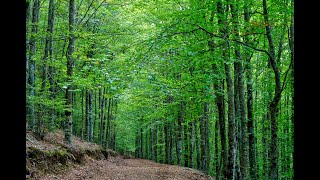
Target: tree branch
<point>234,40</point>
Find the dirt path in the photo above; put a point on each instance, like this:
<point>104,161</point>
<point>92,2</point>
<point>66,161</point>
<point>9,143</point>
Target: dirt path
<point>128,169</point>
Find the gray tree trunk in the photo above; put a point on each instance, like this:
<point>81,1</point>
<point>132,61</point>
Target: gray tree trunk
<point>156,143</point>
<point>192,141</point>
<point>70,65</point>
<point>273,107</point>
<point>179,138</point>
<point>101,103</point>
<point>244,158</point>
<point>48,55</point>
<point>31,62</point>
<point>89,115</point>
<point>231,168</point>
<point>250,124</point>
<point>28,12</point>
<point>186,145</point>
<point>108,123</point>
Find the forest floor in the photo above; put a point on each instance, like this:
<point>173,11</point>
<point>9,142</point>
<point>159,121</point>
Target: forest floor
<point>129,169</point>
<point>50,158</point>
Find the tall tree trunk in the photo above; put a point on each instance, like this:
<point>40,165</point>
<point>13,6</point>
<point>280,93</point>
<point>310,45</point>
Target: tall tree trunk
<point>221,117</point>
<point>273,107</point>
<point>86,136</point>
<point>231,168</point>
<point>82,116</point>
<point>162,154</point>
<point>192,141</point>
<point>179,137</point>
<point>216,149</point>
<point>102,105</point>
<point>28,12</point>
<point>197,128</point>
<point>137,145</point>
<point>141,144</point>
<point>244,158</point>
<point>32,64</point>
<point>108,123</point>
<point>89,115</point>
<point>147,142</point>
<point>167,144</point>
<point>70,65</point>
<point>95,117</point>
<point>48,55</point>
<point>186,141</point>
<point>250,124</point>
<point>156,143</point>
<point>171,136</point>
<point>204,139</point>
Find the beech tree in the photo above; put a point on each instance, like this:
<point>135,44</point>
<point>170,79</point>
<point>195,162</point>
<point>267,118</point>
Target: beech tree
<point>195,83</point>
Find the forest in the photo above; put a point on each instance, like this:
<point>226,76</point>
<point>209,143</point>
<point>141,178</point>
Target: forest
<point>204,84</point>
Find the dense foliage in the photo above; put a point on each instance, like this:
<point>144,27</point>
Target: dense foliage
<point>198,83</point>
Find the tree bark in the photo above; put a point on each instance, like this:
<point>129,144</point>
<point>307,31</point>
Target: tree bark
<point>239,87</point>
<point>156,143</point>
<point>186,145</point>
<point>231,168</point>
<point>192,141</point>
<point>179,138</point>
<point>273,106</point>
<point>70,65</point>
<point>167,144</point>
<point>31,62</point>
<point>89,116</point>
<point>250,124</point>
<point>108,123</point>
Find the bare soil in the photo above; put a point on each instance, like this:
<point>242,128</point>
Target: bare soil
<point>51,158</point>
<point>117,168</point>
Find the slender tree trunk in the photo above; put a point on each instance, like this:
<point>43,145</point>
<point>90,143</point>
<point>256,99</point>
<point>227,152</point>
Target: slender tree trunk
<point>28,12</point>
<point>179,138</point>
<point>108,123</point>
<point>244,158</point>
<point>151,154</point>
<point>166,132</point>
<point>204,139</point>
<point>70,65</point>
<point>48,55</point>
<point>95,117</point>
<point>89,116</point>
<point>197,143</point>
<point>216,149</point>
<point>162,155</point>
<point>171,136</point>
<point>146,146</point>
<point>31,62</point>
<point>156,143</point>
<point>102,115</point>
<point>231,168</point>
<point>221,116</point>
<point>186,141</point>
<point>273,107</point>
<point>250,124</point>
<point>192,141</point>
<point>137,146</point>
<point>141,143</point>
<point>82,113</point>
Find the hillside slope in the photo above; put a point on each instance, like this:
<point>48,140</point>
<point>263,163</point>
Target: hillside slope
<point>51,158</point>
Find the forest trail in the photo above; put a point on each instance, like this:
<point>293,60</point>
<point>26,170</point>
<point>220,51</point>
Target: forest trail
<point>117,168</point>
<point>51,158</point>
<point>128,169</point>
